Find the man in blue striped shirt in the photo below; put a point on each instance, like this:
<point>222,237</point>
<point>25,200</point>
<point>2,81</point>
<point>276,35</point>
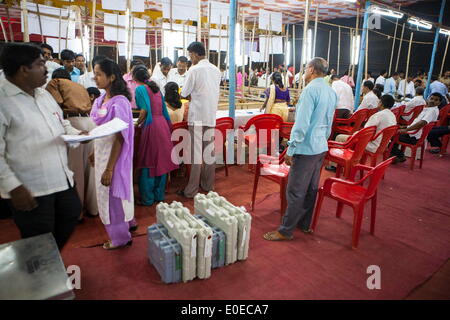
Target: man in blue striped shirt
<point>307,149</point>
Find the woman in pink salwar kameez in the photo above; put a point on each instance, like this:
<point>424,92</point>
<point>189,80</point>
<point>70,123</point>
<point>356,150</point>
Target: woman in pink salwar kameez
<point>113,156</point>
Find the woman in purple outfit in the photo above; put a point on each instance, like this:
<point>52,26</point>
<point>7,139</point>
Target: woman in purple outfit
<point>113,156</point>
<point>155,146</point>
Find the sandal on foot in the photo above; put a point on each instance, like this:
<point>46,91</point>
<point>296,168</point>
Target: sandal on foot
<point>276,236</point>
<point>109,246</point>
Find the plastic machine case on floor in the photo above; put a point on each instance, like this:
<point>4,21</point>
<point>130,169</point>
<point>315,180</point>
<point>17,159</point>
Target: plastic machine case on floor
<point>32,269</point>
<point>219,217</point>
<point>244,220</point>
<point>186,236</point>
<point>204,239</point>
<point>218,244</point>
<point>164,253</point>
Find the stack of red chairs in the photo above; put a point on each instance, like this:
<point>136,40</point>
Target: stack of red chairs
<point>354,194</point>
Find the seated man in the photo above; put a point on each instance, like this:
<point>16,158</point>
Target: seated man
<point>370,100</point>
<point>429,114</point>
<point>418,100</point>
<point>346,100</point>
<point>434,138</point>
<point>381,120</point>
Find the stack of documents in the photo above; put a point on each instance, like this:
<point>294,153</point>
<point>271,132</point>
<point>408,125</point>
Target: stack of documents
<point>104,130</point>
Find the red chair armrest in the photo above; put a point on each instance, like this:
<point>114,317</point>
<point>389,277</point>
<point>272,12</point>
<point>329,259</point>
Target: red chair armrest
<point>357,168</point>
<point>330,181</point>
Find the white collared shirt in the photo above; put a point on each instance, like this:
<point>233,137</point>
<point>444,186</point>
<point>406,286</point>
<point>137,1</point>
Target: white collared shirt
<point>161,80</point>
<point>380,80</point>
<point>87,80</point>
<point>370,101</point>
<point>32,152</point>
<point>175,76</point>
<point>428,115</point>
<point>203,85</point>
<point>409,88</point>
<point>382,119</point>
<point>345,95</point>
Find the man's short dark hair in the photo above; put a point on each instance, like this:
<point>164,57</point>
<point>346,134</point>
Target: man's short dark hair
<point>394,74</point>
<point>387,101</point>
<point>67,54</point>
<point>61,73</point>
<point>46,46</point>
<point>434,77</point>
<point>94,91</point>
<point>369,85</point>
<point>78,55</point>
<point>166,62</point>
<point>382,72</point>
<point>198,48</point>
<point>182,59</point>
<point>334,77</point>
<point>420,90</point>
<point>437,94</point>
<point>15,55</point>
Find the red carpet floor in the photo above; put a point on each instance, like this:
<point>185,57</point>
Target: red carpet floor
<point>410,244</point>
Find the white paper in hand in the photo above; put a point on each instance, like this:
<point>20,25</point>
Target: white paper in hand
<point>104,130</point>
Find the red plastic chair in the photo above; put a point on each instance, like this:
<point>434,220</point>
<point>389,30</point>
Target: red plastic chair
<point>444,140</point>
<point>420,144</point>
<point>387,135</point>
<point>351,125</point>
<point>285,130</point>
<point>274,169</point>
<point>267,122</point>
<point>371,113</point>
<point>443,116</point>
<point>398,112</point>
<point>413,113</point>
<point>175,126</point>
<point>354,194</point>
<point>349,153</point>
<point>222,125</point>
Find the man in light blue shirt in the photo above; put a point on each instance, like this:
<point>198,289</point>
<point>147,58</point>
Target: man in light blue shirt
<point>68,61</point>
<point>437,86</point>
<point>390,87</point>
<point>308,146</point>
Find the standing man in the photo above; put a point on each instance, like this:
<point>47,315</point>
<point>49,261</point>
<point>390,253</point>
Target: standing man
<point>80,63</point>
<point>410,89</point>
<point>47,52</point>
<point>68,61</point>
<point>179,73</point>
<point>437,86</point>
<point>346,100</point>
<point>382,78</point>
<point>202,87</point>
<point>162,78</point>
<point>307,148</point>
<point>34,173</point>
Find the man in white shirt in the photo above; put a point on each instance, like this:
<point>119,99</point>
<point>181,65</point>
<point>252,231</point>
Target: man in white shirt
<point>370,100</point>
<point>202,88</point>
<point>161,78</point>
<point>410,90</point>
<point>418,100</point>
<point>390,86</point>
<point>87,78</point>
<point>381,120</point>
<point>381,80</point>
<point>179,73</point>
<point>346,100</point>
<point>51,66</point>
<point>34,172</point>
<point>429,114</point>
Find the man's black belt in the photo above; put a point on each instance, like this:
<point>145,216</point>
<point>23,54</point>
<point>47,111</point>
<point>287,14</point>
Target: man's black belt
<point>71,114</point>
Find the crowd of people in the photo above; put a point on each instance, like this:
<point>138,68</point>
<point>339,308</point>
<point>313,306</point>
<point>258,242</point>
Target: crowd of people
<point>50,188</point>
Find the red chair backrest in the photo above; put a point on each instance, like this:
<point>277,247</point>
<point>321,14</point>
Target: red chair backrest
<point>286,128</point>
<point>267,122</point>
<point>398,112</point>
<point>414,114</point>
<point>360,141</point>
<point>356,119</point>
<point>222,125</point>
<point>377,174</point>
<point>371,113</point>
<point>443,116</point>
<point>387,134</point>
<point>425,131</point>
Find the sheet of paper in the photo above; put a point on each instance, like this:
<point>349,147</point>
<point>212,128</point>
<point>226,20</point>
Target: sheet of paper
<point>275,45</point>
<point>272,19</point>
<point>140,50</point>
<point>181,10</point>
<point>104,130</point>
<point>220,11</point>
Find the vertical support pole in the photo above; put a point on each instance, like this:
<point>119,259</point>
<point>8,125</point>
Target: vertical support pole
<point>220,40</point>
<point>26,35</point>
<point>150,60</point>
<point>130,32</point>
<point>393,47</point>
<point>362,56</point>
<point>68,23</point>
<point>59,34</point>
<point>40,22</point>
<point>435,45</point>
<point>407,63</point>
<point>339,52</point>
<point>286,44</point>
<point>184,38</point>
<point>117,39</point>
<point>294,51</point>
<point>250,56</point>
<point>315,31</point>
<point>94,7</point>
<point>329,47</point>
<point>399,49</point>
<point>445,55</point>
<point>232,62</point>
<point>367,56</point>
<point>356,39</point>
<point>243,54</point>
<point>199,22</point>
<point>305,41</point>
<point>3,30</point>
<point>209,29</point>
